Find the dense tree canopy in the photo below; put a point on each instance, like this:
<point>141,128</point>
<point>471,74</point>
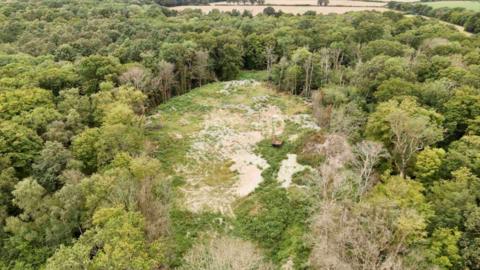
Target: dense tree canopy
<point>83,187</point>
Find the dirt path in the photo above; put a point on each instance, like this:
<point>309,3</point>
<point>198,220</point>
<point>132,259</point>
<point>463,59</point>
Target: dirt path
<point>458,27</point>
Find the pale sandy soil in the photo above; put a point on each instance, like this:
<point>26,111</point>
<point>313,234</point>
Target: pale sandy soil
<point>287,9</point>
<point>288,168</point>
<point>314,3</point>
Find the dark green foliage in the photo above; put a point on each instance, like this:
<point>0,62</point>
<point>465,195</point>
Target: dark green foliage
<point>19,146</point>
<point>49,165</point>
<point>188,226</point>
<point>276,221</point>
<point>464,153</point>
<point>95,69</point>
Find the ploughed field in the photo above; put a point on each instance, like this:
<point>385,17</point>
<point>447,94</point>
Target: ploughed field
<point>286,9</point>
<point>294,7</point>
<point>314,3</point>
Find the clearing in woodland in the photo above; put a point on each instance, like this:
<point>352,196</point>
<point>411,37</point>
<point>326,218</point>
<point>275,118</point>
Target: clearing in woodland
<point>214,142</point>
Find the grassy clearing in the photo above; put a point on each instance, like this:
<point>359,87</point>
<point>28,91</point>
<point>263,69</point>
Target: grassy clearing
<point>179,118</point>
<point>259,75</point>
<point>273,217</point>
<point>470,5</point>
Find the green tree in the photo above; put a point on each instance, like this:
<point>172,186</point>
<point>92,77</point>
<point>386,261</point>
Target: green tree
<point>463,107</point>
<point>44,222</point>
<point>443,250</point>
<point>65,52</point>
<point>384,47</point>
<point>71,99</point>
<point>429,164</point>
<point>122,131</point>
<point>471,240</point>
<point>394,87</point>
<point>13,103</point>
<point>228,55</point>
<point>95,69</point>
<point>116,241</point>
<point>38,119</point>
<point>19,146</point>
<point>464,153</point>
<point>56,79</point>
<point>452,200</point>
<point>84,149</point>
<point>404,208</point>
<point>405,128</point>
<point>183,56</point>
<point>48,166</point>
<point>255,56</point>
<point>381,68</point>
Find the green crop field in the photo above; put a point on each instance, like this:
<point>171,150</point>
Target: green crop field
<point>471,5</point>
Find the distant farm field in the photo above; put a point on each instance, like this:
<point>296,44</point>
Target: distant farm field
<point>471,5</point>
<point>287,9</point>
<point>314,3</point>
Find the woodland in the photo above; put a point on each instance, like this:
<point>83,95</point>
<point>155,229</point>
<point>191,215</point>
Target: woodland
<point>102,104</point>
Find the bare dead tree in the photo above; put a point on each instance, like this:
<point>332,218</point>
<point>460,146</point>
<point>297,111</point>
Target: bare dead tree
<point>409,135</point>
<point>325,63</point>
<point>308,69</point>
<point>155,210</point>
<point>136,77</point>
<point>337,57</point>
<point>162,82</point>
<point>321,112</point>
<point>283,64</point>
<point>357,50</point>
<point>367,155</point>
<point>270,57</point>
<point>355,239</point>
<point>200,67</point>
<point>226,253</point>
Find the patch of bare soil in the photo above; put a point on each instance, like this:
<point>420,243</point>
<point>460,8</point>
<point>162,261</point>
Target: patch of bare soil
<point>288,168</point>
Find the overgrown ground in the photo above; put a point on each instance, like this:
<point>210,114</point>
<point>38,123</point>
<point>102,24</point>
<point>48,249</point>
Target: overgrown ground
<point>215,145</point>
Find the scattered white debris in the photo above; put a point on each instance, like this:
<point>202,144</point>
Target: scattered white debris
<point>177,136</point>
<point>293,138</point>
<point>231,86</point>
<point>305,121</point>
<point>288,265</point>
